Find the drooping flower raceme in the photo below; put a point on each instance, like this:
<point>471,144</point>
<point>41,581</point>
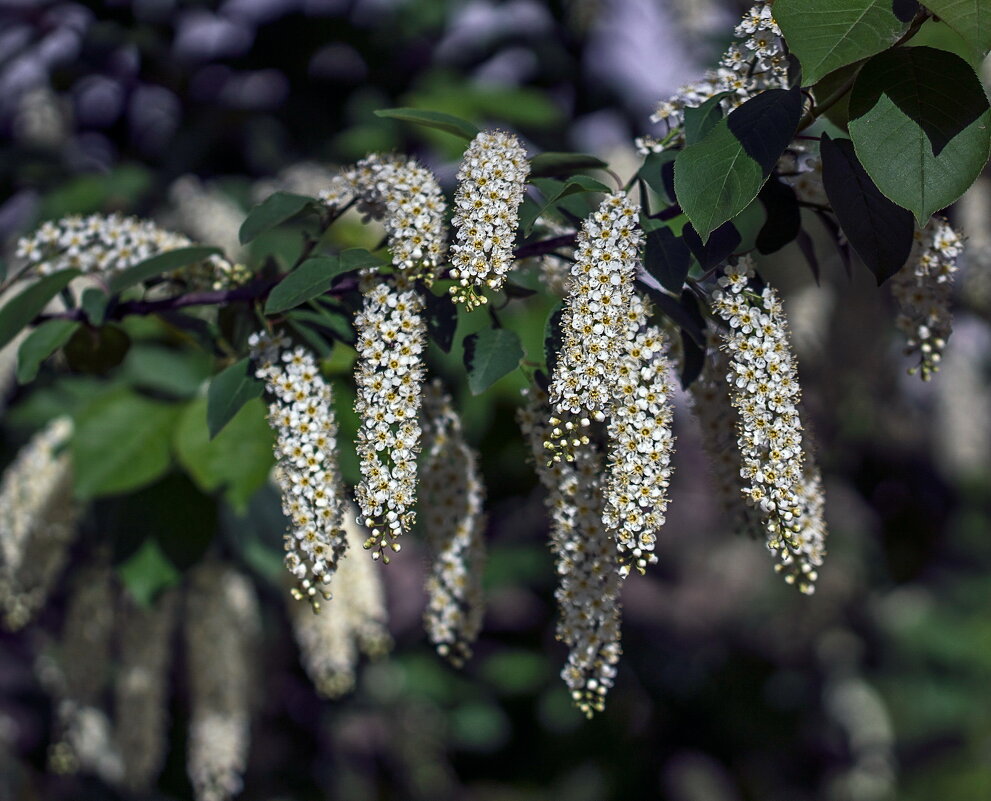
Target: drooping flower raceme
<point>388,378</point>
<point>451,500</point>
<point>744,71</point>
<point>923,288</point>
<point>302,414</point>
<point>764,388</point>
<point>353,621</point>
<point>594,325</point>
<point>141,688</point>
<point>491,183</point>
<point>585,557</point>
<point>37,524</point>
<point>640,442</point>
<point>221,633</point>
<point>110,243</point>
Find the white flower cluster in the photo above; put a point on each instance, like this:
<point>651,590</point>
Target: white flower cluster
<point>101,243</point>
<point>451,500</point>
<point>302,414</point>
<point>37,524</point>
<point>717,424</point>
<point>221,631</point>
<point>586,561</point>
<point>764,388</point>
<point>640,442</point>
<point>923,290</point>
<point>355,620</point>
<point>594,323</point>
<point>744,71</point>
<point>405,195</point>
<point>141,688</point>
<point>388,378</point>
<point>491,183</point>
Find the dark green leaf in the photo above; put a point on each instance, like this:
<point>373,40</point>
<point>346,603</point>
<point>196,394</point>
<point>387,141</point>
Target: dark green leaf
<point>717,178</point>
<point>574,185</point>
<point>489,355</point>
<point>722,244</point>
<point>784,217</point>
<point>157,265</point>
<point>94,303</point>
<point>442,319</point>
<point>701,119</point>
<point>148,573</point>
<point>121,442</point>
<point>26,306</point>
<point>970,18</point>
<point>332,321</point>
<point>313,277</point>
<point>179,373</point>
<point>553,337</point>
<point>549,165</point>
<point>880,232</point>
<point>919,121</point>
<point>97,350</point>
<point>229,391</point>
<point>40,344</point>
<point>834,90</point>
<point>238,459</point>
<point>273,211</point>
<point>658,172</point>
<point>432,119</point>
<point>684,316</point>
<point>693,352</point>
<point>667,258</point>
<point>828,34</point>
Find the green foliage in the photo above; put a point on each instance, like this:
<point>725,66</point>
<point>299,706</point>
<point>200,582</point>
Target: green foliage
<point>667,258</point>
<point>94,303</point>
<point>230,389</point>
<point>921,126</point>
<point>179,373</point>
<point>97,350</point>
<point>121,443</point>
<point>40,344</point>
<point>552,165</point>
<point>489,355</point>
<point>556,191</point>
<point>717,177</point>
<point>880,231</point>
<point>970,18</point>
<point>274,210</point>
<point>20,311</point>
<point>161,263</point>
<point>702,119</point>
<point>432,119</point>
<point>314,276</point>
<point>828,34</point>
<point>147,573</point>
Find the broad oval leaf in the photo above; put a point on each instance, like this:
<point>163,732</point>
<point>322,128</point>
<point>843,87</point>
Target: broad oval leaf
<point>97,350</point>
<point>272,211</point>
<point>550,165</point>
<point>880,231</point>
<point>25,307</point>
<point>313,277</point>
<point>442,319</point>
<point>667,258</point>
<point>784,217</point>
<point>970,18</point>
<point>230,389</point>
<point>716,178</point>
<point>40,344</point>
<point>699,120</point>
<point>722,243</point>
<point>828,34</point>
<point>489,355</point>
<point>432,119</point>
<point>161,263</point>
<point>121,442</point>
<point>919,121</point>
<point>658,172</point>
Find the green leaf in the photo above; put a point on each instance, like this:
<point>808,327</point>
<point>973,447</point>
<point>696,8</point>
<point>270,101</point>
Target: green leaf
<point>442,319</point>
<point>432,119</point>
<point>229,391</point>
<point>97,350</point>
<point>667,258</point>
<point>828,34</point>
<point>162,263</point>
<point>784,216</point>
<point>682,311</point>
<point>970,18</point>
<point>717,178</point>
<point>489,355</point>
<point>553,336</point>
<point>274,210</point>
<point>557,192</point>
<point>121,442</point>
<point>551,165</point>
<point>701,119</point>
<point>180,373</point>
<point>147,573</point>
<point>26,306</point>
<point>94,303</point>
<point>334,321</point>
<point>313,277</point>
<point>658,172</point>
<point>919,121</point>
<point>722,243</point>
<point>40,344</point>
<point>880,232</point>
<point>238,459</point>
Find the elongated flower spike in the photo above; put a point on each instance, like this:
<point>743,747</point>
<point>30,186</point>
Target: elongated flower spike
<point>302,414</point>
<point>491,184</point>
<point>452,497</point>
<point>764,389</point>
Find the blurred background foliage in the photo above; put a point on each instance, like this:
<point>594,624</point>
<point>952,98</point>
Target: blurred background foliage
<point>732,686</point>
